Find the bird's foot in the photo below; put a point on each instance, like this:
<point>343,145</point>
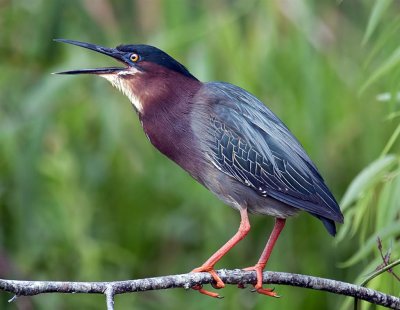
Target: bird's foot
<point>218,282</point>
<point>200,289</point>
<point>258,268</point>
<point>266,291</point>
<point>210,269</point>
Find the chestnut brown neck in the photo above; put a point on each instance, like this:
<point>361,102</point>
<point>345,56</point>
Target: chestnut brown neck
<point>166,99</point>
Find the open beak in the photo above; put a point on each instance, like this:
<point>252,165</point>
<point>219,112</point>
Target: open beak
<point>112,52</point>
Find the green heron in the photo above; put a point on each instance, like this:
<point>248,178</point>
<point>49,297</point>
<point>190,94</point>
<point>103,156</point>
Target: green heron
<point>226,139</point>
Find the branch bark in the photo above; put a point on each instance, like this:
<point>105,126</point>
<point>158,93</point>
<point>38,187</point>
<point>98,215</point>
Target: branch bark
<point>110,289</point>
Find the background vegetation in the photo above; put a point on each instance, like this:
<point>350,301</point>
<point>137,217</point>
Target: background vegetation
<point>84,196</point>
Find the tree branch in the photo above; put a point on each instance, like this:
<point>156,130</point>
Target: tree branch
<point>110,289</point>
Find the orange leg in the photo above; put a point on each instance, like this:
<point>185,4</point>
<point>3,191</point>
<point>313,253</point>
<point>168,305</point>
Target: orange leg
<point>208,266</point>
<point>259,267</point>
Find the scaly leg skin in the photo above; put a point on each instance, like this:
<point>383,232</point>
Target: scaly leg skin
<point>208,266</point>
<point>259,267</point>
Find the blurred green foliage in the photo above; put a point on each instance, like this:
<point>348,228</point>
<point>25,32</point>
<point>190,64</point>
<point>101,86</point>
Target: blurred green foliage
<point>84,196</point>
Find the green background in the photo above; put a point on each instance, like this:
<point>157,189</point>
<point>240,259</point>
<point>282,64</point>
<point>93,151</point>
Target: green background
<point>85,197</point>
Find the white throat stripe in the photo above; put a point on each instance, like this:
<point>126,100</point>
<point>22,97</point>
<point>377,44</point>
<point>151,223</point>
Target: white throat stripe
<point>121,84</point>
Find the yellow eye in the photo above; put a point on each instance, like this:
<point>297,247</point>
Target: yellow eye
<point>134,57</point>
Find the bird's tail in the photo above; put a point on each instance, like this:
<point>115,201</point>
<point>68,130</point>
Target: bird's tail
<point>329,224</point>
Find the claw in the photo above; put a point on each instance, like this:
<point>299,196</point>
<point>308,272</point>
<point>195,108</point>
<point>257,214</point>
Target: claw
<point>218,282</point>
<point>258,286</point>
<point>199,288</point>
<point>268,292</point>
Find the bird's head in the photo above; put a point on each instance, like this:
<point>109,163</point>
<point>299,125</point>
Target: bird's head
<point>148,72</point>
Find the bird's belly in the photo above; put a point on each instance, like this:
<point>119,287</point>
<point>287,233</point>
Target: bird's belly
<point>272,207</point>
<point>238,196</point>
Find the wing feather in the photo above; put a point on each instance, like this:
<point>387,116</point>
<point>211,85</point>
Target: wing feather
<point>249,143</point>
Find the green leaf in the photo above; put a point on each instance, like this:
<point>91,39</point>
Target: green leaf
<point>392,61</point>
<point>366,178</point>
<point>370,244</point>
<point>391,141</point>
<point>389,203</point>
<point>344,231</point>
<point>376,15</point>
<point>361,213</point>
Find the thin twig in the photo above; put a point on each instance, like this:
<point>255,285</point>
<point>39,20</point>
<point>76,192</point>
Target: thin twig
<point>379,271</point>
<point>373,275</point>
<point>385,266</point>
<point>109,292</point>
<point>385,259</point>
<point>28,288</point>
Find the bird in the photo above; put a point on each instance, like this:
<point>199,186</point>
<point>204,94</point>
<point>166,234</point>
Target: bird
<point>226,139</point>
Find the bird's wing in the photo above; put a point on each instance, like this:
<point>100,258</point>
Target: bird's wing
<point>249,143</point>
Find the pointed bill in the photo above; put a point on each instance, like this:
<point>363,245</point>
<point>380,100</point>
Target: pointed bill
<point>112,52</point>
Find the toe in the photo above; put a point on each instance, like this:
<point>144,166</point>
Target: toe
<point>267,291</point>
<point>200,289</point>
